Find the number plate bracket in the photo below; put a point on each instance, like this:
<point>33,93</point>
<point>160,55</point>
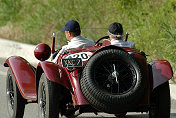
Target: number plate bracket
<point>72,62</point>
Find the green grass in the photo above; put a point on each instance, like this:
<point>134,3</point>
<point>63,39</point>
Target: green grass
<point>151,23</point>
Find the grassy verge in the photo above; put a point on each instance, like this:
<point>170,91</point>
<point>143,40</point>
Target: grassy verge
<point>151,24</point>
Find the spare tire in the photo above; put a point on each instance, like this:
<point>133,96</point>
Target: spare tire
<point>112,81</point>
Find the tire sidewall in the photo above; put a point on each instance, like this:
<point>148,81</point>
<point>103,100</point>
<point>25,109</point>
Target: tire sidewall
<point>43,82</point>
<point>19,101</point>
<point>160,102</point>
<point>52,110</point>
<point>12,112</point>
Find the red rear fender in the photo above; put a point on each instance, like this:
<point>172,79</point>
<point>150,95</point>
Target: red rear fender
<point>53,72</point>
<point>162,72</point>
<point>24,74</point>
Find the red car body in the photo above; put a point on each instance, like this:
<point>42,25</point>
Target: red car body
<point>27,76</point>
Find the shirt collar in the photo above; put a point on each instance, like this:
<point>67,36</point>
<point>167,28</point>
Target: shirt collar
<point>117,40</point>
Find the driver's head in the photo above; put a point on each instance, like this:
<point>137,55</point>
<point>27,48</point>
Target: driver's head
<point>115,30</point>
<point>72,27</point>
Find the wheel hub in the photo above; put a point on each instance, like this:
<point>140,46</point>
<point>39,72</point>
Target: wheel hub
<point>115,74</point>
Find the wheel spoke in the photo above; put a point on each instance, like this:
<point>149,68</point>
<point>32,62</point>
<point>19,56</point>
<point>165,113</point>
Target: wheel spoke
<point>116,76</point>
<point>10,92</point>
<point>106,69</point>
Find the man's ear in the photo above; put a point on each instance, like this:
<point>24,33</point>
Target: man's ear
<point>69,33</point>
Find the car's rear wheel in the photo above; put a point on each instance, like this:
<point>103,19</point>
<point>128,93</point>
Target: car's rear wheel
<point>15,102</point>
<point>112,81</point>
<point>48,100</point>
<point>160,102</point>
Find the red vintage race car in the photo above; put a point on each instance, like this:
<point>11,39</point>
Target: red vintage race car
<point>101,78</point>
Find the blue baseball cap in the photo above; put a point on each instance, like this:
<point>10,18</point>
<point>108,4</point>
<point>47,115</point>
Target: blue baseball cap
<point>71,26</point>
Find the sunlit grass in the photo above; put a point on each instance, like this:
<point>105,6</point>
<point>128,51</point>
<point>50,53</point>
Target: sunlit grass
<point>150,23</point>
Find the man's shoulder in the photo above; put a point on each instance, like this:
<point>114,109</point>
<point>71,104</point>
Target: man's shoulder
<point>86,40</point>
<point>80,38</point>
<point>132,44</point>
<point>89,40</point>
<point>129,42</point>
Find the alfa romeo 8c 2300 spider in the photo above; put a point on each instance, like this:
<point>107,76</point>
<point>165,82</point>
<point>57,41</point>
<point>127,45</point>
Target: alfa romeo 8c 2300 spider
<point>100,78</point>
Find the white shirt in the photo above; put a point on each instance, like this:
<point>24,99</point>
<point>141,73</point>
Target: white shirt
<point>122,43</point>
<point>76,42</point>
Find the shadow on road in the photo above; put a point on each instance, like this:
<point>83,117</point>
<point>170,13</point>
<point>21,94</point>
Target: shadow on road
<point>127,116</point>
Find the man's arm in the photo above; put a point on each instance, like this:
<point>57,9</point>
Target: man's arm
<point>133,45</point>
<point>64,48</point>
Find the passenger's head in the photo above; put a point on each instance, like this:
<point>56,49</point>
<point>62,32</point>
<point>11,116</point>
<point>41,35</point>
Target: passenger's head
<point>72,29</point>
<point>115,30</point>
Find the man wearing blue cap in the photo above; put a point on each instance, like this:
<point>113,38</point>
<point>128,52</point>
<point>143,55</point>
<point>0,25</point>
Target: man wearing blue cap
<point>75,40</point>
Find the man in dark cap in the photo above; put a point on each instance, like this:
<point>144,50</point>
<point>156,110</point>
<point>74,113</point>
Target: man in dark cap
<point>75,40</point>
<point>115,32</point>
